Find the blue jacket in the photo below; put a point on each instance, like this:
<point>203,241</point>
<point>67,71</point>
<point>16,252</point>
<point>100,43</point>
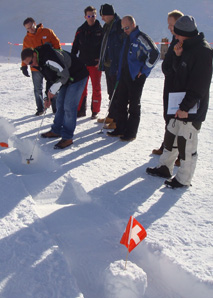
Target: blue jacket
<point>142,54</point>
<point>113,45</point>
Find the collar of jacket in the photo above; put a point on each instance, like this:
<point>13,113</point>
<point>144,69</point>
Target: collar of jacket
<point>38,28</point>
<point>192,42</point>
<point>115,20</point>
<point>134,33</point>
<point>85,25</point>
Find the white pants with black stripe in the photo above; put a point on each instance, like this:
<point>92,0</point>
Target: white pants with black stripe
<point>180,138</point>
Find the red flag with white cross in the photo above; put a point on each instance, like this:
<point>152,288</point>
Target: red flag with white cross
<point>133,234</point>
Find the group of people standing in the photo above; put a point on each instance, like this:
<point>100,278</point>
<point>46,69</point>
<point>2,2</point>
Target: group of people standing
<point>127,56</point>
<point>118,49</point>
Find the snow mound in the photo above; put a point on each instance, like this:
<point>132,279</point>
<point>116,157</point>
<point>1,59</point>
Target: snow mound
<point>125,283</point>
<point>6,129</point>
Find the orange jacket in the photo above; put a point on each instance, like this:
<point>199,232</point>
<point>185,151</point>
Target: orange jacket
<point>42,36</point>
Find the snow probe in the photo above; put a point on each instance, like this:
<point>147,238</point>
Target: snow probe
<point>113,94</point>
<point>31,156</point>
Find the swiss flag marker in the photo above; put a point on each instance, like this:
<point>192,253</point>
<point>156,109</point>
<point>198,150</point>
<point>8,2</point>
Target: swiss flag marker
<point>133,235</point>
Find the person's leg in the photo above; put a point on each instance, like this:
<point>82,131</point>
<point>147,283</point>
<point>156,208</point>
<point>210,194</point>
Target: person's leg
<point>59,116</point>
<point>95,76</point>
<point>170,151</point>
<point>71,102</point>
<point>37,79</point>
<point>135,91</point>
<point>53,103</point>
<point>187,146</point>
<point>83,101</point>
<point>111,83</point>
<point>121,107</point>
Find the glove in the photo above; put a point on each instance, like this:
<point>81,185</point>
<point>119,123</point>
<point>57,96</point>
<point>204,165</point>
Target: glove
<point>25,71</point>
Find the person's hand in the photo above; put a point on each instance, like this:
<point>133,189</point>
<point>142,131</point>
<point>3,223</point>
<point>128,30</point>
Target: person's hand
<point>50,95</point>
<point>47,102</point>
<point>181,114</point>
<point>25,71</point>
<point>98,63</point>
<point>178,48</point>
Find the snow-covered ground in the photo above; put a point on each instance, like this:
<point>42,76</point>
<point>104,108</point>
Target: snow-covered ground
<point>63,215</point>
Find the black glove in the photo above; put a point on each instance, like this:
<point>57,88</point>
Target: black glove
<point>25,71</point>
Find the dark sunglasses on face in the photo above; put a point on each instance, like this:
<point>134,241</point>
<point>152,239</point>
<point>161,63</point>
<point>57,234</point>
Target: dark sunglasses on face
<point>125,28</point>
<point>93,16</point>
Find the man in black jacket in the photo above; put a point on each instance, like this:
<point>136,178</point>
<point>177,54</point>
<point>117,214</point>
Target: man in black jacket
<point>109,58</point>
<point>167,70</point>
<point>192,65</point>
<point>87,44</point>
<point>67,73</point>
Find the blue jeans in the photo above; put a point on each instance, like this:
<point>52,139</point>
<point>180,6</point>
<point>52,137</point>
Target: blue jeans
<point>67,106</point>
<point>37,78</point>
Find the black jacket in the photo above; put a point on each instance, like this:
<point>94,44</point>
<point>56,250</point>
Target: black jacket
<point>168,72</point>
<point>193,73</point>
<point>111,45</point>
<point>59,67</point>
<point>87,43</point>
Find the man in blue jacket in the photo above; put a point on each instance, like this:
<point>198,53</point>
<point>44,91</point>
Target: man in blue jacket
<point>138,56</point>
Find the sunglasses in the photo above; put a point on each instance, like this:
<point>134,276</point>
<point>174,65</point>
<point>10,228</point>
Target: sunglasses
<point>125,28</point>
<point>93,16</point>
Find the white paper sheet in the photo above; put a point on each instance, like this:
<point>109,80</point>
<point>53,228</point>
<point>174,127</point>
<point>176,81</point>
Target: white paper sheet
<point>174,100</point>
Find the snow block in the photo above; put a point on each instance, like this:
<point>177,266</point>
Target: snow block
<point>124,283</point>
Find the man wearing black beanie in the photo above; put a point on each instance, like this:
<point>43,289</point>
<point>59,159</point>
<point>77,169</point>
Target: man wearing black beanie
<point>192,67</point>
<point>109,57</point>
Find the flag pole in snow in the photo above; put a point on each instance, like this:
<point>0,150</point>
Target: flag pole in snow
<point>133,235</point>
<point>129,238</point>
<point>126,258</point>
<point>10,51</point>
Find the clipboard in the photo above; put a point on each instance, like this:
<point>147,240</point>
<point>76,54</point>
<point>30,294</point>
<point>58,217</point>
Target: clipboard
<point>175,99</point>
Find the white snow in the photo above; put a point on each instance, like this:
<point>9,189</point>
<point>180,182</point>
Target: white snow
<point>125,280</point>
<point>62,216</point>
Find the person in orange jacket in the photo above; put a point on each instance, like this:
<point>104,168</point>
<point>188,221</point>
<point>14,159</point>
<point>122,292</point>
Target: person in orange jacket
<point>36,36</point>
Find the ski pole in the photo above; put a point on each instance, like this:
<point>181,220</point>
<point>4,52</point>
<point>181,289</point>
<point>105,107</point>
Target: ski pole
<point>31,156</point>
<point>116,85</point>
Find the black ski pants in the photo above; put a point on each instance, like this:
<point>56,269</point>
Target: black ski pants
<point>128,104</point>
<point>111,80</point>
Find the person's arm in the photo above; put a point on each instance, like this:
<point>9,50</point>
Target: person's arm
<point>75,45</point>
<point>149,53</point>
<point>166,66</point>
<point>57,64</point>
<point>197,79</point>
<point>54,40</point>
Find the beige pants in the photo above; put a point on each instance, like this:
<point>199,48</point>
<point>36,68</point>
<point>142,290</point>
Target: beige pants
<point>180,138</point>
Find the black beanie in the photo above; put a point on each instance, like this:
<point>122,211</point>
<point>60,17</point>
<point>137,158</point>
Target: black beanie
<point>107,10</point>
<point>186,26</point>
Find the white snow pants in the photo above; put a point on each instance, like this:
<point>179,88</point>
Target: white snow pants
<point>180,138</point>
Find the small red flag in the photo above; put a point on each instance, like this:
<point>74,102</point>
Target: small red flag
<point>133,234</point>
<point>2,144</point>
